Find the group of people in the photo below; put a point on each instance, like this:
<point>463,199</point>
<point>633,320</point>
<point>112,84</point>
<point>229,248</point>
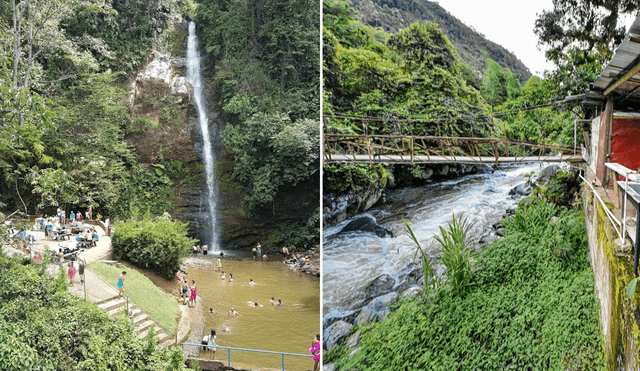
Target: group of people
<point>188,294</point>
<point>71,269</point>
<point>198,248</point>
<point>257,252</point>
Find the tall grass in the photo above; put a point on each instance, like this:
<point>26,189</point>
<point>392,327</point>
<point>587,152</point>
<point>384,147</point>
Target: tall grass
<point>456,255</point>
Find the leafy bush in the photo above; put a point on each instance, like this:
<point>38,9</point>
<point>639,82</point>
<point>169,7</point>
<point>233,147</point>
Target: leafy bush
<point>152,243</point>
<point>299,234</point>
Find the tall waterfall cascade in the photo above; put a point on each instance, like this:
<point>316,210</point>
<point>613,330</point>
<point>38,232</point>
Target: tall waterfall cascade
<point>195,79</point>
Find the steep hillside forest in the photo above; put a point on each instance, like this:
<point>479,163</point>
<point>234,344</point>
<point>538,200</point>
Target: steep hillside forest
<point>473,47</point>
<point>66,123</point>
<point>70,138</point>
<point>267,74</point>
<point>416,75</point>
<point>525,301</point>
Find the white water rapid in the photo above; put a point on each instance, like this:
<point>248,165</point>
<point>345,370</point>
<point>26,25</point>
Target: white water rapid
<point>195,79</point>
<point>351,260</point>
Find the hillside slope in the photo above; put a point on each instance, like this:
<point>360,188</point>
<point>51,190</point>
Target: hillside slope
<point>392,15</point>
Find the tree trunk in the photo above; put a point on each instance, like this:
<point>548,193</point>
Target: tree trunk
<point>16,46</point>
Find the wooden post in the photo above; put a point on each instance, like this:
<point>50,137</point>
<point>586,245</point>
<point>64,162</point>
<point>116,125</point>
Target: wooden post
<point>604,141</point>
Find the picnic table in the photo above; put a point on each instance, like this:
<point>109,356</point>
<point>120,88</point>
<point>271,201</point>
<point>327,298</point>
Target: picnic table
<point>60,234</point>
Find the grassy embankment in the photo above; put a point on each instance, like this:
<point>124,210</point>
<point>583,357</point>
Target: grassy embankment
<point>530,305</point>
<point>144,294</point>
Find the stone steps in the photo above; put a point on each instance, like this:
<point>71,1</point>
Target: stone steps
<point>140,319</point>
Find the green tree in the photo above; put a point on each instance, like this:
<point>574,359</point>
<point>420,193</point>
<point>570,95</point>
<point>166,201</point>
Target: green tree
<point>499,84</point>
<point>152,243</point>
<point>271,151</point>
<point>579,37</point>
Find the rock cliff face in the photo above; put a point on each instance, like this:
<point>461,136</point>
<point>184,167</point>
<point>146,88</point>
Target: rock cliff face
<point>392,15</point>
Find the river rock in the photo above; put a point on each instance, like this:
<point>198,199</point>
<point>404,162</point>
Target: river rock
<point>366,223</point>
<point>521,190</point>
<point>483,169</point>
<point>547,173</point>
<point>329,367</point>
<point>339,208</point>
<point>379,286</point>
<point>411,291</point>
<point>353,341</point>
<point>376,309</point>
<point>426,173</point>
<point>336,332</point>
<point>444,170</point>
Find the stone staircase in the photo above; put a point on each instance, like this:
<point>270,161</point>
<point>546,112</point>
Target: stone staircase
<point>139,318</point>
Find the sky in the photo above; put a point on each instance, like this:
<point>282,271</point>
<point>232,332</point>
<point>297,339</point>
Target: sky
<point>508,23</point>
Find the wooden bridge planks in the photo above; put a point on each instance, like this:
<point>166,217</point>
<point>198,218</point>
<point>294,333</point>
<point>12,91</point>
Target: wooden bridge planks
<point>407,159</point>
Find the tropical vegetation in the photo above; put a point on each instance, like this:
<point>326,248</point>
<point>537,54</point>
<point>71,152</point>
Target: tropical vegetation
<point>528,304</point>
<point>45,327</point>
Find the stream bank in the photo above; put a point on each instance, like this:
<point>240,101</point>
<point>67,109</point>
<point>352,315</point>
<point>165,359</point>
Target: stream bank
<point>484,198</point>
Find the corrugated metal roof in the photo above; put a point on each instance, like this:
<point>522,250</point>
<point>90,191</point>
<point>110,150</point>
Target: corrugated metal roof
<point>625,57</point>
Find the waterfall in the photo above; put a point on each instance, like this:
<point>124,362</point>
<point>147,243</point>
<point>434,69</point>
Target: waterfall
<point>195,79</point>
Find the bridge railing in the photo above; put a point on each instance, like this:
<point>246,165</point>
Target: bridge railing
<point>408,147</point>
<point>229,349</point>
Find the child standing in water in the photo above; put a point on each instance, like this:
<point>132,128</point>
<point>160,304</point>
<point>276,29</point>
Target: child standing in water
<point>192,298</point>
<point>222,276</point>
<point>230,277</point>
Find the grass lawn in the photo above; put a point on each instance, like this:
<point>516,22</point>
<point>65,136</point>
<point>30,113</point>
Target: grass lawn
<point>144,294</point>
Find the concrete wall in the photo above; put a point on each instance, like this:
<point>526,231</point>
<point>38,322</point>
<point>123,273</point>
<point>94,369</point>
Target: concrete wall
<point>613,270</point>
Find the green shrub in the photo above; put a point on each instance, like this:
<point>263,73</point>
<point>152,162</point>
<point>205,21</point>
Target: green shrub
<point>456,255</point>
<point>156,243</point>
<point>302,234</point>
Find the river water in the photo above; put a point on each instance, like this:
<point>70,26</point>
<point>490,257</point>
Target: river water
<point>353,259</point>
<point>289,328</point>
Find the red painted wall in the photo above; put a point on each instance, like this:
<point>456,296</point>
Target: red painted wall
<point>625,143</point>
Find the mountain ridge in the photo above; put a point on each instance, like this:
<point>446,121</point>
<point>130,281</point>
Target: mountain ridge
<point>392,15</point>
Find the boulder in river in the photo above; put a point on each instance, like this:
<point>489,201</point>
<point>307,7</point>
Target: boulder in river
<point>335,333</point>
<point>376,309</point>
<point>366,223</point>
<point>483,169</point>
<point>547,173</point>
<point>521,190</point>
<point>379,286</point>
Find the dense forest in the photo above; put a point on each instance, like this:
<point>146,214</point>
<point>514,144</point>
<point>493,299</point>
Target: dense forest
<point>67,66</point>
<point>473,47</point>
<point>526,301</point>
<point>414,82</point>
<point>66,123</point>
<point>267,74</point>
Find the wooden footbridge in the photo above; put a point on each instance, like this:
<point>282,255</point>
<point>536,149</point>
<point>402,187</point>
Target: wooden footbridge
<point>409,149</point>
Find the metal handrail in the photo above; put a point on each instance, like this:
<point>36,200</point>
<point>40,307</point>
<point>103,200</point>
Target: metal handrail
<point>229,349</point>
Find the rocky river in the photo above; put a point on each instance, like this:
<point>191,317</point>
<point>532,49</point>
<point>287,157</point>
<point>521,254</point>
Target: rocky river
<point>368,259</point>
